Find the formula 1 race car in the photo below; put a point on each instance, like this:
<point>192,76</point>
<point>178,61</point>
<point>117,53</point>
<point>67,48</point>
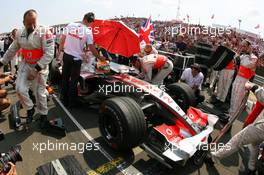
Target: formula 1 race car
<point>136,113</point>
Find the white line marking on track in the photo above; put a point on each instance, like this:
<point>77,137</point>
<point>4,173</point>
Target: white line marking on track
<point>130,170</point>
<point>58,167</point>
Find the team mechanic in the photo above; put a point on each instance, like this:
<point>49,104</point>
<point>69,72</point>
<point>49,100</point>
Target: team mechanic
<point>154,68</point>
<point>73,41</point>
<point>258,108</point>
<point>248,64</point>
<point>224,82</point>
<point>37,48</point>
<point>252,134</point>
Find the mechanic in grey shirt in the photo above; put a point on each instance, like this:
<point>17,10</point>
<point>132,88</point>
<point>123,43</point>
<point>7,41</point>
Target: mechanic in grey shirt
<point>194,78</point>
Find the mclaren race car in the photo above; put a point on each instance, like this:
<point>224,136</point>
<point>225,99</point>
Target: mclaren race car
<point>134,113</point>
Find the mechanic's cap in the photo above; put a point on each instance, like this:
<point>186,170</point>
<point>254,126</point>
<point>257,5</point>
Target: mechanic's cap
<point>196,66</point>
<point>89,17</point>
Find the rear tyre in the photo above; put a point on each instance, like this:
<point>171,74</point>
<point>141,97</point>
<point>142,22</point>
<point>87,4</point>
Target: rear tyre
<point>122,123</point>
<point>182,94</point>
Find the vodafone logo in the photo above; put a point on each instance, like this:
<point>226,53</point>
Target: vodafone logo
<point>191,116</point>
<point>169,132</point>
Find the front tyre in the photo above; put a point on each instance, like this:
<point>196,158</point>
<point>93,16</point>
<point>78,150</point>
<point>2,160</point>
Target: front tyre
<point>122,123</point>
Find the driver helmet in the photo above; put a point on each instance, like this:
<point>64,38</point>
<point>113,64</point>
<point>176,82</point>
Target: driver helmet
<point>103,67</point>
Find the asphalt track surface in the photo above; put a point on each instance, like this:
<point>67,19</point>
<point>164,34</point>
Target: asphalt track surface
<point>82,128</point>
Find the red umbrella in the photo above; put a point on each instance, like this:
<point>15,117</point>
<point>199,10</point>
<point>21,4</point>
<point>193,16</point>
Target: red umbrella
<point>116,37</point>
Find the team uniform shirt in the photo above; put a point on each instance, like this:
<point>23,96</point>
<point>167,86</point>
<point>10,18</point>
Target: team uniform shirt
<point>157,62</point>
<point>192,81</point>
<point>40,38</point>
<point>248,64</point>
<point>77,36</point>
<point>248,61</point>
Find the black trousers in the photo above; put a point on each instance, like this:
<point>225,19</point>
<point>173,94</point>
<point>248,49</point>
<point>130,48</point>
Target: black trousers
<point>70,76</point>
<point>199,96</point>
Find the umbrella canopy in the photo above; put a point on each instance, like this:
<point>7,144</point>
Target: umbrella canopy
<point>116,37</point>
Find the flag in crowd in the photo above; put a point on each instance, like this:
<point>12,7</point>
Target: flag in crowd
<point>146,31</point>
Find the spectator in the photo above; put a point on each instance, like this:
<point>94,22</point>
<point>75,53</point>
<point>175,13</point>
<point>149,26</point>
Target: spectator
<point>4,101</point>
<point>7,43</point>
<point>180,44</point>
<point>15,60</point>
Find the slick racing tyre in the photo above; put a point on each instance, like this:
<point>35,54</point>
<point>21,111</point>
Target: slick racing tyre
<point>122,123</point>
<point>182,94</point>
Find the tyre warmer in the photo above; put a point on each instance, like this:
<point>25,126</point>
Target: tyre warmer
<point>67,166</point>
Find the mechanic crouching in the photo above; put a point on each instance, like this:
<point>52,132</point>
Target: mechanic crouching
<point>154,68</point>
<point>37,48</point>
<point>147,50</point>
<point>194,78</point>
